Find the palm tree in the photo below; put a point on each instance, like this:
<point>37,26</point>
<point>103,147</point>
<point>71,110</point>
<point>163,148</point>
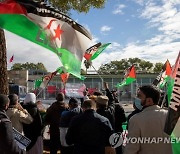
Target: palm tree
<point>3,65</point>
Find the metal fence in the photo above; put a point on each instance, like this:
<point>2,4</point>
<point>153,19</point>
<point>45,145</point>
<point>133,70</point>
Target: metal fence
<point>125,93</point>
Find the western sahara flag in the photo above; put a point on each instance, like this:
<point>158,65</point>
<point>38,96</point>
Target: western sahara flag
<point>47,78</point>
<point>172,126</point>
<point>95,50</point>
<point>164,75</point>
<point>49,28</point>
<point>129,77</point>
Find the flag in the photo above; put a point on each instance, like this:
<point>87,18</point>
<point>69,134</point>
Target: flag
<point>49,28</point>
<point>129,77</point>
<point>100,49</point>
<point>172,125</point>
<point>47,78</point>
<point>11,59</point>
<point>94,51</point>
<point>90,51</point>
<point>64,77</point>
<point>164,75</point>
<point>37,83</point>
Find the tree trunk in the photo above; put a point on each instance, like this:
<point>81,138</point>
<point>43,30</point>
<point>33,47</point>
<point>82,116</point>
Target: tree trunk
<point>3,65</point>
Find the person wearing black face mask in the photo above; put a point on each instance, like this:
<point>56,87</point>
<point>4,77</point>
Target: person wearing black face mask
<point>7,142</point>
<point>148,124</point>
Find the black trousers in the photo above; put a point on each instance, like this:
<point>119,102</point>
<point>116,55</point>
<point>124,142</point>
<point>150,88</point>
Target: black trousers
<point>67,150</point>
<point>54,145</point>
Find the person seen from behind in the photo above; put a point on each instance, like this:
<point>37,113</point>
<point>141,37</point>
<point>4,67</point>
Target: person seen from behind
<point>53,116</point>
<point>66,117</point>
<point>7,143</point>
<point>33,130</point>
<point>89,131</point>
<point>17,114</point>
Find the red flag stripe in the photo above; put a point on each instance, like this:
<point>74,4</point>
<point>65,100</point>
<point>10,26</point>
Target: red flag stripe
<point>11,7</point>
<point>168,68</point>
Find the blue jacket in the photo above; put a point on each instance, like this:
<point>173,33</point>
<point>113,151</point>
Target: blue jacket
<point>67,116</point>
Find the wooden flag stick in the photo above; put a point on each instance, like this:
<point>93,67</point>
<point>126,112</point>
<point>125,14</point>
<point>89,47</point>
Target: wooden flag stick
<point>97,72</point>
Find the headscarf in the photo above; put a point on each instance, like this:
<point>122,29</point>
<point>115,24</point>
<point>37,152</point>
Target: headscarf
<point>30,97</point>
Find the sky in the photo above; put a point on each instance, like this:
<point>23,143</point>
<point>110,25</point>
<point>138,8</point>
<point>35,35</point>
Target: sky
<point>147,29</point>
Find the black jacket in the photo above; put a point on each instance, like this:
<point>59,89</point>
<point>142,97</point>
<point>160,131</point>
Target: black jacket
<point>52,118</point>
<point>34,129</point>
<point>117,111</point>
<point>109,111</point>
<point>89,132</point>
<point>7,142</point>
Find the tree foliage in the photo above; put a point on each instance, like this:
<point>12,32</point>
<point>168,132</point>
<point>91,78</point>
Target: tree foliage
<point>29,66</point>
<point>158,67</point>
<point>117,67</point>
<point>78,5</point>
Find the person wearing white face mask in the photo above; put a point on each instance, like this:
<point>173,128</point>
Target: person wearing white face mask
<point>148,124</point>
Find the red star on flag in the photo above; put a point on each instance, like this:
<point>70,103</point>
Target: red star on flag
<point>58,32</point>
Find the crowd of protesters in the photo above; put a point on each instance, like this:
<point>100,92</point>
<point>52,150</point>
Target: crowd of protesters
<point>84,127</point>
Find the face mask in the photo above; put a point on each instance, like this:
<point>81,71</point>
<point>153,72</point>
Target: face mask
<point>137,103</point>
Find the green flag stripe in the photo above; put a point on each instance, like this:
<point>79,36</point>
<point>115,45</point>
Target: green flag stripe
<point>127,81</point>
<point>38,83</point>
<point>32,32</point>
<point>70,63</point>
<point>20,25</point>
<point>100,49</point>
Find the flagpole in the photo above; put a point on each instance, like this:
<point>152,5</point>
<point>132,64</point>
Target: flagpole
<point>98,75</point>
<point>43,88</point>
<point>52,75</point>
<point>164,97</point>
<point>39,92</point>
